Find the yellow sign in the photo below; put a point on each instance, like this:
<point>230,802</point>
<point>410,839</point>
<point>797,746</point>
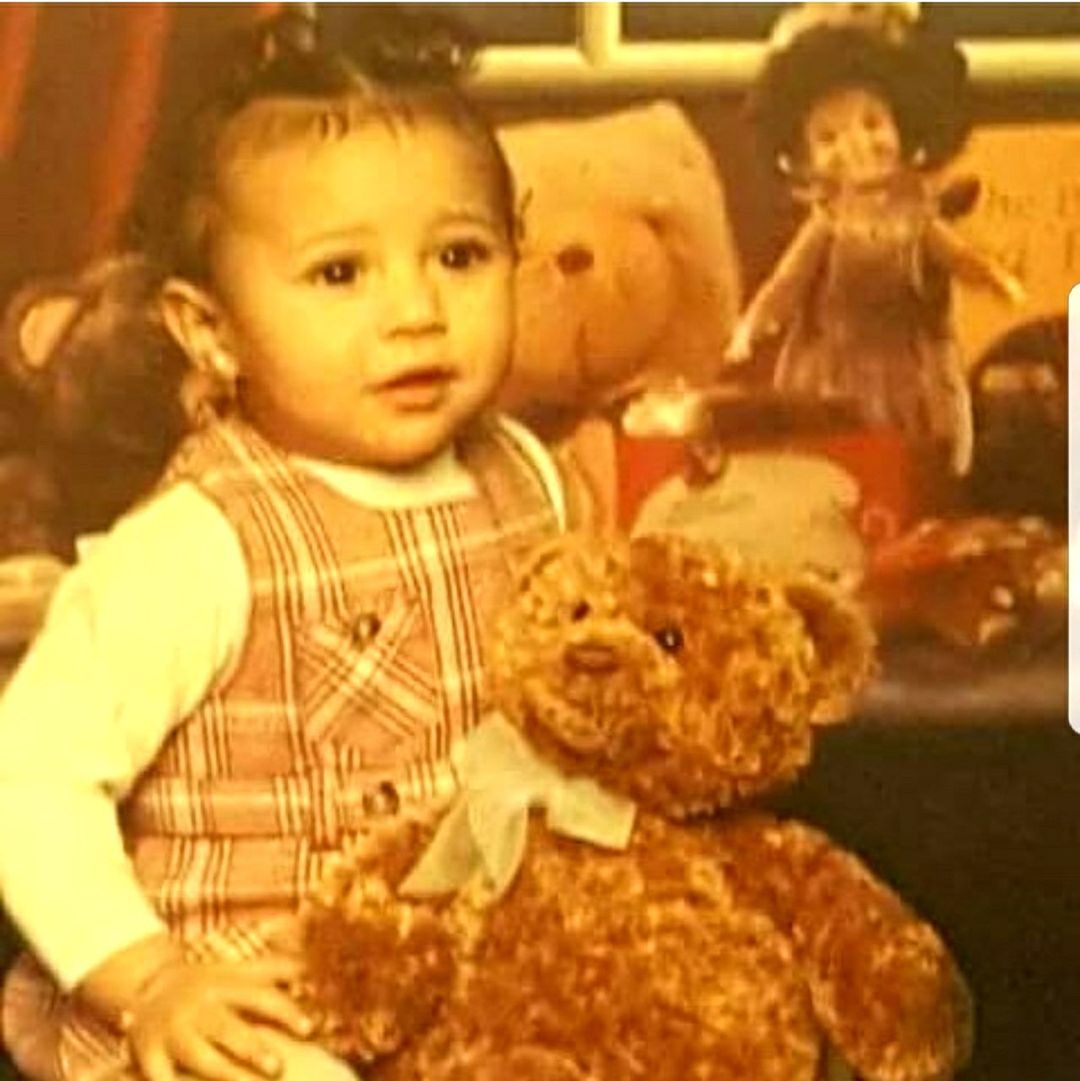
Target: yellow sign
<point>1028,216</point>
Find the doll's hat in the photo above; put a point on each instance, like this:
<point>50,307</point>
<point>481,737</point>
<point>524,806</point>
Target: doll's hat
<point>819,47</point>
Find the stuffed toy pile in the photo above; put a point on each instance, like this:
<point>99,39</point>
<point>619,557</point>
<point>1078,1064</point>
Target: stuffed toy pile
<point>600,903</point>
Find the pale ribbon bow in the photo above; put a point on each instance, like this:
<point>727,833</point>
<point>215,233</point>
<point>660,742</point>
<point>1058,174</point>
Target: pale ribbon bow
<point>486,828</point>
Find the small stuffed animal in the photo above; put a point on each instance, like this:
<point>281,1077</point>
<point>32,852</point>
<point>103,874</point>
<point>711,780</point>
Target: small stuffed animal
<point>97,386</point>
<point>648,923</point>
<point>974,583</point>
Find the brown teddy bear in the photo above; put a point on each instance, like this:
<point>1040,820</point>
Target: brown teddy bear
<point>91,389</point>
<point>648,923</point>
<point>91,406</point>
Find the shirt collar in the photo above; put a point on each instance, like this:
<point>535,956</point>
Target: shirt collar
<point>442,479</point>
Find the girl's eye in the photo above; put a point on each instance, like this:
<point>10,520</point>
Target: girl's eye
<point>337,272</point>
<point>462,254</point>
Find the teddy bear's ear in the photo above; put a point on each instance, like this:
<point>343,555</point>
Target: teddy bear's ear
<point>38,322</point>
<point>537,559</point>
<point>844,646</point>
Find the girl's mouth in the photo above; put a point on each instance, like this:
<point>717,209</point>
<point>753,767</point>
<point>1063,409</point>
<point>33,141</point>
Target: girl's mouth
<point>418,390</point>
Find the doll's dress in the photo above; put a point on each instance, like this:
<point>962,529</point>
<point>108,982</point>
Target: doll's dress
<point>870,313</point>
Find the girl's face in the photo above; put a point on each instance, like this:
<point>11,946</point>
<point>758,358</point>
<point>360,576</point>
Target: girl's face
<point>364,289</point>
<point>851,137</point>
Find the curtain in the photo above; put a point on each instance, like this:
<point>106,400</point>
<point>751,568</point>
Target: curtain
<point>84,90</point>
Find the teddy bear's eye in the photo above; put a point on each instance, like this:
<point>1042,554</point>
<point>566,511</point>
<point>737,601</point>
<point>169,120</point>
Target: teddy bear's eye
<point>669,639</point>
<point>581,610</point>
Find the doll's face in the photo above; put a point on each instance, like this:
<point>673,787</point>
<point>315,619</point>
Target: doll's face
<point>851,137</point>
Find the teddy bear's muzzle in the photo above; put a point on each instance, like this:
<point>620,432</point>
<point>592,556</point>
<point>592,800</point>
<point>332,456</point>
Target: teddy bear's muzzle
<point>594,658</point>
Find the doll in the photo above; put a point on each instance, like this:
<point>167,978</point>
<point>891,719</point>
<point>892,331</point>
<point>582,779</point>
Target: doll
<point>856,104</point>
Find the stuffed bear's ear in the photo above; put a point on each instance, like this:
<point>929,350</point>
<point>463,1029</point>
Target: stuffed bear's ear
<point>37,322</point>
<point>536,559</point>
<point>844,644</point>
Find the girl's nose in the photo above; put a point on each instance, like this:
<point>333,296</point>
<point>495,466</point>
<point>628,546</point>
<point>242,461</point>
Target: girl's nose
<point>410,302</point>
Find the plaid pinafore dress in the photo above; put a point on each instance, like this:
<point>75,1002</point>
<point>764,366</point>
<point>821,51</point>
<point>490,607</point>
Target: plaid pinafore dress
<point>363,664</point>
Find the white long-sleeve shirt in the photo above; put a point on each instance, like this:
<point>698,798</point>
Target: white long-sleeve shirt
<point>135,637</point>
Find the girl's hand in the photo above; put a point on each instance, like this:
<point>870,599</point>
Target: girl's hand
<point>202,1020</point>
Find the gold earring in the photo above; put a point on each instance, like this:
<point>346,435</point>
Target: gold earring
<point>209,391</point>
<point>222,364</point>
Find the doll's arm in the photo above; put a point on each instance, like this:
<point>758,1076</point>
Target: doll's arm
<point>779,297</point>
<point>882,982</point>
<point>944,245</point>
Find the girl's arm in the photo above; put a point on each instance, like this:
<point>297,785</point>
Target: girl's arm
<point>136,637</point>
<point>133,639</point>
<point>777,301</point>
<point>944,245</point>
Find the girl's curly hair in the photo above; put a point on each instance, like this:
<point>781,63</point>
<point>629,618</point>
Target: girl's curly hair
<point>923,79</point>
<point>382,59</point>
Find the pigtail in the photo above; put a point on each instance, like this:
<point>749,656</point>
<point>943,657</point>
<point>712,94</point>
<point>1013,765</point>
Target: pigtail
<point>397,46</point>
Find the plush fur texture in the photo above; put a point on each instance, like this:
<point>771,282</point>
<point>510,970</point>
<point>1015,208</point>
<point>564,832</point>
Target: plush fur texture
<point>628,268</point>
<point>727,947</point>
<point>91,387</point>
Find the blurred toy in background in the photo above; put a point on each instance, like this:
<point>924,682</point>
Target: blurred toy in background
<point>90,408</point>
<point>1019,389</point>
<point>974,583</point>
<point>787,508</point>
<point>628,274</point>
<point>628,270</point>
<point>96,396</point>
<point>996,573</point>
<point>857,104</point>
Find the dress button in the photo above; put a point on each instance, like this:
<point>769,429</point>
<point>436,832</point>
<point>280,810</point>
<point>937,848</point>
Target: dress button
<point>364,628</point>
<point>386,800</point>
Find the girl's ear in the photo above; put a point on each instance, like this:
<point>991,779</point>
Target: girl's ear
<point>197,324</point>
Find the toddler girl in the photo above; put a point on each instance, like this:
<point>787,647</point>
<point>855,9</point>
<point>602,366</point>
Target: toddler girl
<point>855,103</point>
<point>283,645</point>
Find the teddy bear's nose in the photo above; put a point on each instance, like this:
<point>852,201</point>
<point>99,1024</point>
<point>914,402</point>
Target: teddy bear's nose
<point>574,259</point>
<point>592,657</point>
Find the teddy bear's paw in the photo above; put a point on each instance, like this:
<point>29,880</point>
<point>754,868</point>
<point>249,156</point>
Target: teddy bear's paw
<point>376,970</point>
<point>909,1015</point>
<point>528,1063</point>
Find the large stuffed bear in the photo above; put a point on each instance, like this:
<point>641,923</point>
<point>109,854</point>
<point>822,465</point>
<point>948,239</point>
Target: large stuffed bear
<point>628,269</point>
<point>628,272</point>
<point>648,923</point>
